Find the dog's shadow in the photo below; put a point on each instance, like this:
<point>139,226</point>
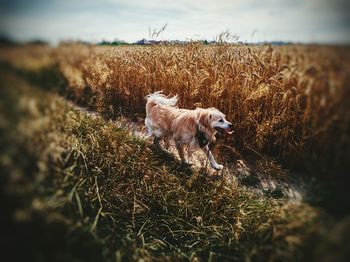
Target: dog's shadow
<point>175,165</point>
<point>180,170</point>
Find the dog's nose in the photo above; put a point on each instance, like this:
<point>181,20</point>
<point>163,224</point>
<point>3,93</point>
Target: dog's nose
<point>230,125</point>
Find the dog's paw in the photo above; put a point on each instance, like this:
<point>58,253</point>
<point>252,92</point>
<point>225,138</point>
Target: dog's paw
<point>187,163</point>
<point>218,167</point>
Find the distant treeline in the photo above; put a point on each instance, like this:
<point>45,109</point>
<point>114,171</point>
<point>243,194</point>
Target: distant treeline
<point>181,42</point>
<point>7,41</point>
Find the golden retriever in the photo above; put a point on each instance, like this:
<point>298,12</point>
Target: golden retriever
<point>194,128</point>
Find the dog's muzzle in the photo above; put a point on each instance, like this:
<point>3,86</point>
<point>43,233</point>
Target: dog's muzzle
<point>227,130</point>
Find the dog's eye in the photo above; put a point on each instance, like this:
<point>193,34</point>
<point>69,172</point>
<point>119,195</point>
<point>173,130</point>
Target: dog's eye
<point>221,120</point>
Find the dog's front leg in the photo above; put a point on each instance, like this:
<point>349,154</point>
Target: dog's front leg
<point>180,149</point>
<point>211,158</point>
<point>190,150</point>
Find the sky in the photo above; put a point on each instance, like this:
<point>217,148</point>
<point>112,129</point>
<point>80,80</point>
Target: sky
<point>306,21</point>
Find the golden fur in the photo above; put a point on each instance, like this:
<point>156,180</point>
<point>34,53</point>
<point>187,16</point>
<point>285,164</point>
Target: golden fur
<point>193,128</point>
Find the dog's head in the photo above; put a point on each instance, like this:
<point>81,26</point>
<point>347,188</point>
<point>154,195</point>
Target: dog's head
<point>214,119</point>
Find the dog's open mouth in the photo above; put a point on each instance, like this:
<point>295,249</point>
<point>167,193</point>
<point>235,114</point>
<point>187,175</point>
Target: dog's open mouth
<point>224,130</point>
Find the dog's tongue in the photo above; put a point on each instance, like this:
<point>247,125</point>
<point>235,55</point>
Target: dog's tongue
<point>228,131</point>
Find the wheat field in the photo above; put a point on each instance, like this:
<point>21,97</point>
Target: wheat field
<point>289,102</point>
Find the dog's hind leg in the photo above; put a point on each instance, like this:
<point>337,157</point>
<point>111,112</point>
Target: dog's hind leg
<point>149,128</point>
<point>156,141</point>
<point>157,137</point>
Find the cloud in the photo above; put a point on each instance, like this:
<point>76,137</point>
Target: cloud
<point>289,20</point>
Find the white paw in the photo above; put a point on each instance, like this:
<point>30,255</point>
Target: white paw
<point>218,167</point>
<point>188,163</point>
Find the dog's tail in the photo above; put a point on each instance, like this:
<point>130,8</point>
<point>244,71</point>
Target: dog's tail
<point>157,98</point>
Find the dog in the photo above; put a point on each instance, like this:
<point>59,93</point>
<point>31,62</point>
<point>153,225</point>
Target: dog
<point>193,128</point>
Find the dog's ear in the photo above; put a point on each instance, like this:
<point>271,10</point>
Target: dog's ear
<point>204,119</point>
<point>201,118</point>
